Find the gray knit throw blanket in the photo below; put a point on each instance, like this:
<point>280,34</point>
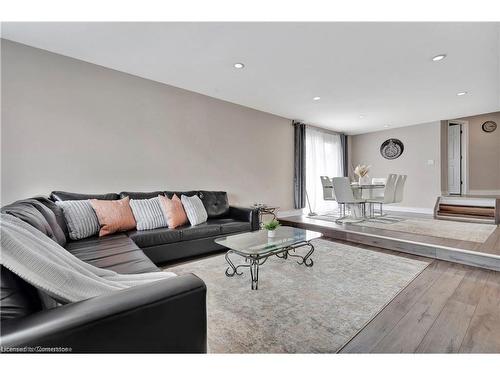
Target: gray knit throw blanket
<point>43,263</point>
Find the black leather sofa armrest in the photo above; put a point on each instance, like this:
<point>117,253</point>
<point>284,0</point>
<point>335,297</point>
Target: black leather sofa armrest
<point>250,215</point>
<point>167,316</point>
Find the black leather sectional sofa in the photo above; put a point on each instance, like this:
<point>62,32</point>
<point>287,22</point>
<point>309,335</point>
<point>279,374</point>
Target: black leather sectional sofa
<point>168,316</point>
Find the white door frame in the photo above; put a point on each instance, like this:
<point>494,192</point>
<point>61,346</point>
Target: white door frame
<point>465,154</point>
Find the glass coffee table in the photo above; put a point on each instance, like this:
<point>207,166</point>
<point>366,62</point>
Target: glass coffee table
<point>255,248</point>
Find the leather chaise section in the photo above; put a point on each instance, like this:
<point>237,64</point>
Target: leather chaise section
<point>115,252</point>
<point>166,316</point>
<point>17,297</point>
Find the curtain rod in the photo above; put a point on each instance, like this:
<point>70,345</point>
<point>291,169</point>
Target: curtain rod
<point>317,128</point>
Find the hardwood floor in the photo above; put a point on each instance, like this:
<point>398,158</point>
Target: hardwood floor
<point>486,255</point>
<point>448,308</point>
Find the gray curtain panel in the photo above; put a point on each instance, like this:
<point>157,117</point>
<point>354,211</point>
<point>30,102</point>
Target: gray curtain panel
<point>345,162</point>
<point>299,171</point>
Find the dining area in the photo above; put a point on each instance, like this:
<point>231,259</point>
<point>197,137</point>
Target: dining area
<point>364,199</point>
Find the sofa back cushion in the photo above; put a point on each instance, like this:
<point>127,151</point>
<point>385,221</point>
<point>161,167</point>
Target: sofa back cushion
<point>147,213</point>
<point>80,217</point>
<point>67,196</point>
<point>140,195</point>
<point>215,202</point>
<point>50,217</point>
<point>58,213</point>
<point>17,297</point>
<point>114,216</point>
<point>26,211</point>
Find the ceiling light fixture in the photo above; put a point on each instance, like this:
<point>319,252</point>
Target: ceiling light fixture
<point>439,57</point>
<point>462,93</point>
<point>361,116</point>
<point>386,126</point>
<point>316,98</point>
<point>239,65</point>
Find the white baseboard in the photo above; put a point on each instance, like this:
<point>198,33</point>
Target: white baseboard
<point>484,192</point>
<point>417,210</point>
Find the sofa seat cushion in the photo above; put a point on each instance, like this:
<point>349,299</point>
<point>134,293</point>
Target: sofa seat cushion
<point>231,226</point>
<point>116,252</point>
<point>154,237</point>
<point>199,231</point>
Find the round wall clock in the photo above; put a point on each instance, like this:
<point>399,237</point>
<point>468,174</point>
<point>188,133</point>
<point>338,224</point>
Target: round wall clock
<point>392,148</point>
<point>489,126</point>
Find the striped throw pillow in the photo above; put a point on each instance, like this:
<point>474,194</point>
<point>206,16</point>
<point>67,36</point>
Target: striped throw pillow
<point>80,217</point>
<point>195,210</point>
<point>148,213</point>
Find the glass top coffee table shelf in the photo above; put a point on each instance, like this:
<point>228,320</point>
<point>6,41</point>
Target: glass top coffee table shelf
<point>256,248</point>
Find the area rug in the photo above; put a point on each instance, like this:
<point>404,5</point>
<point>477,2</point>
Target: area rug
<point>299,309</point>
<point>473,232</point>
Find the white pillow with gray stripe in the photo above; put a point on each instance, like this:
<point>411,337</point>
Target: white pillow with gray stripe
<point>148,214</point>
<point>80,217</point>
<point>195,210</point>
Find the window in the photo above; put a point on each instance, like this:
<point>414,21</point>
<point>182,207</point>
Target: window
<point>323,158</point>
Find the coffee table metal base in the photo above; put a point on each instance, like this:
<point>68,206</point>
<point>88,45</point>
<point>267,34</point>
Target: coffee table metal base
<point>254,261</point>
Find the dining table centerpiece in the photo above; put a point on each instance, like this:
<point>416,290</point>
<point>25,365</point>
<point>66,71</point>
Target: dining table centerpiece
<point>361,171</point>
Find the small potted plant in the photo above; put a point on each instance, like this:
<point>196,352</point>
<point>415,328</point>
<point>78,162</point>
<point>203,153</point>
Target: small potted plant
<point>271,227</point>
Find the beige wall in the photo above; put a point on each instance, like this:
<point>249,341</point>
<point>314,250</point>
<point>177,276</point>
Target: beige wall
<point>75,126</point>
<point>422,144</point>
<point>484,155</point>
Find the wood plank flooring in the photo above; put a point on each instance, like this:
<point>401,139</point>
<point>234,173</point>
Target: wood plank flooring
<point>486,255</point>
<point>448,308</point>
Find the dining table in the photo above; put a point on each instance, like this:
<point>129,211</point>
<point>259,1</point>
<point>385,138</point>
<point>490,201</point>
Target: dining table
<point>358,190</point>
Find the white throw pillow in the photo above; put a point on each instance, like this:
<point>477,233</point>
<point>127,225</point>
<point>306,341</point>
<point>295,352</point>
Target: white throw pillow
<point>195,210</point>
<point>147,213</point>
<point>80,217</point>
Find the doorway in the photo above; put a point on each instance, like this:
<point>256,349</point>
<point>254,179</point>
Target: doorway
<point>457,157</point>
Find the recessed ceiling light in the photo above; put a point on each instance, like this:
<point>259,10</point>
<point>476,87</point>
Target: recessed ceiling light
<point>316,98</point>
<point>386,126</point>
<point>361,116</point>
<point>239,65</point>
<point>439,57</point>
<point>462,93</point>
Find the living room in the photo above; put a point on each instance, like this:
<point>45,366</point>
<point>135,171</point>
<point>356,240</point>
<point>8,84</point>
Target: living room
<point>181,196</point>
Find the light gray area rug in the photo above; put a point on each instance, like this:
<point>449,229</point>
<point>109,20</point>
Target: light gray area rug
<point>473,232</point>
<point>300,309</point>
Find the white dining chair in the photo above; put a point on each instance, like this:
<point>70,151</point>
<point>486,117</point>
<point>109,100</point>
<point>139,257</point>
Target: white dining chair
<point>388,196</point>
<point>328,192</point>
<point>400,187</point>
<point>345,196</point>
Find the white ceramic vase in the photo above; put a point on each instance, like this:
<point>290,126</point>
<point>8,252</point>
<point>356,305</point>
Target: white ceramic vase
<point>271,233</point>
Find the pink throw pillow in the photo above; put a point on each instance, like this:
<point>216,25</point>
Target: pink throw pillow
<point>173,211</point>
<point>114,216</point>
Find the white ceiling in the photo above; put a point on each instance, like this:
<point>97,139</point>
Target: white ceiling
<point>382,71</point>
